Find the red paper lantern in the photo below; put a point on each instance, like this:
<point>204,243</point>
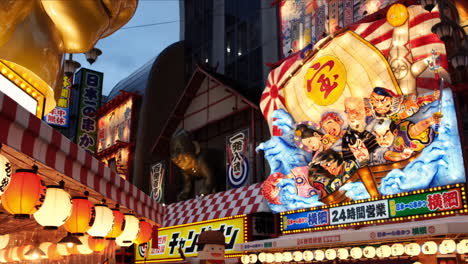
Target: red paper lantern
<point>52,252</point>
<point>80,219</point>
<point>24,194</point>
<point>97,244</point>
<point>144,235</point>
<point>118,227</point>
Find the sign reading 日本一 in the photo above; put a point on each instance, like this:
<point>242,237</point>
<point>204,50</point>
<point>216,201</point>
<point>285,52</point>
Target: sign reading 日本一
<point>90,83</point>
<point>237,159</point>
<point>186,236</point>
<point>59,116</point>
<point>430,202</point>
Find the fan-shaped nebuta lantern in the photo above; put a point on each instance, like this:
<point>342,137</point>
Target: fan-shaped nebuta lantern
<point>130,232</point>
<point>97,244</point>
<point>24,195</point>
<point>103,221</point>
<point>56,208</point>
<point>144,235</point>
<point>84,248</point>
<point>118,226</point>
<point>80,218</point>
<point>62,250</point>
<point>4,241</point>
<point>5,173</point>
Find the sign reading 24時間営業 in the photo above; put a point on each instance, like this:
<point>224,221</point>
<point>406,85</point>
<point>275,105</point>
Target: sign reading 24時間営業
<point>410,205</point>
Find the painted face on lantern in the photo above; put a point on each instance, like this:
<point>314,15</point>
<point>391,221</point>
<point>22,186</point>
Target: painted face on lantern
<point>331,127</point>
<point>360,151</point>
<point>212,252</point>
<point>355,113</point>
<point>314,143</point>
<point>333,167</point>
<point>384,138</point>
<point>381,104</point>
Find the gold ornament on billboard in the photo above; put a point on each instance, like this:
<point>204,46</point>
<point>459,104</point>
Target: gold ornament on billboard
<point>35,35</point>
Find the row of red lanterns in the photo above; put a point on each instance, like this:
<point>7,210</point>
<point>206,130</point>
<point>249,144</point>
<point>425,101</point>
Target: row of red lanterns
<point>52,207</point>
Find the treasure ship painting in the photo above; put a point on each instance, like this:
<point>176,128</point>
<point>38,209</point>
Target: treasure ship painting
<point>365,112</point>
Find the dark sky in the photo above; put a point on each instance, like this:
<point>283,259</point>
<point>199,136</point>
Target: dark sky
<point>132,46</point>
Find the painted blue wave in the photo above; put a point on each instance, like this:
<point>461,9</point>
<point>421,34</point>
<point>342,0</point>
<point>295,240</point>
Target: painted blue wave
<point>290,200</point>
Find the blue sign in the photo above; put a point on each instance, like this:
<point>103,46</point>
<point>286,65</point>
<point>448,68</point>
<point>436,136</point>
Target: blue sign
<point>306,220</point>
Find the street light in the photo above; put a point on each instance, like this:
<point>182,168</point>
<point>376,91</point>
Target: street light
<point>444,30</point>
<point>92,54</point>
<point>459,60</point>
<point>70,66</point>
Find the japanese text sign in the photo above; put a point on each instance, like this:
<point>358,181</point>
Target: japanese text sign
<point>306,220</point>
<point>430,202</point>
<point>237,155</point>
<point>185,237</point>
<point>359,212</point>
<point>90,83</point>
<point>115,126</point>
<point>59,116</point>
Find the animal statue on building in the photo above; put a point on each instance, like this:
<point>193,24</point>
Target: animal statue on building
<point>196,163</point>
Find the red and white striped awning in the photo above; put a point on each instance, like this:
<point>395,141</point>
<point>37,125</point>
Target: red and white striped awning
<point>26,133</point>
<point>243,200</point>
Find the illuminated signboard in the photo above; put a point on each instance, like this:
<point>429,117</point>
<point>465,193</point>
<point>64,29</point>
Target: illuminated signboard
<point>237,159</point>
<point>186,236</point>
<point>90,85</point>
<point>17,94</point>
<point>115,126</point>
<point>59,116</point>
<point>419,203</point>
<point>157,175</point>
<point>349,121</point>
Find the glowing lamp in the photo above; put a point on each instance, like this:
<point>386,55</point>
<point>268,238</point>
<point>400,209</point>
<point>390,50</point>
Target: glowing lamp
<point>8,255</point>
<point>330,254</point>
<point>97,244</point>
<point>287,256</point>
<point>447,246</point>
<point>84,248</point>
<point>5,173</point>
<point>342,253</point>
<point>383,251</point>
<point>120,242</point>
<point>412,249</point>
<point>44,246</point>
<point>24,194</point>
<point>297,256</point>
<point>103,221</point>
<point>15,254</point>
<point>144,235</point>
<point>356,253</point>
<point>52,252</point>
<point>369,252</point>
<point>24,250</point>
<point>35,253</point>
<point>319,255</point>
<point>262,257</point>
<point>253,258</point>
<point>118,226</point>
<point>4,241</point>
<point>270,258</point>
<point>245,259</point>
<point>429,248</point>
<point>397,249</point>
<point>278,257</point>
<point>73,250</point>
<point>2,256</point>
<point>80,218</point>
<point>62,250</point>
<point>462,246</point>
<point>56,208</point>
<point>130,232</point>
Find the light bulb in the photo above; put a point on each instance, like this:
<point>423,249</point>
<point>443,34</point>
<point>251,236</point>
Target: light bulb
<point>69,244</point>
<point>35,256</point>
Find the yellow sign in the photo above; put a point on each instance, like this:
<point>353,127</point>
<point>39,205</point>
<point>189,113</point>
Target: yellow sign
<point>325,80</point>
<point>172,238</point>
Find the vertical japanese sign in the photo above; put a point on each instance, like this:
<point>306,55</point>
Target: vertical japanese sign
<point>347,12</point>
<point>157,173</point>
<point>90,100</point>
<point>320,18</point>
<point>59,116</point>
<point>333,12</point>
<point>237,155</point>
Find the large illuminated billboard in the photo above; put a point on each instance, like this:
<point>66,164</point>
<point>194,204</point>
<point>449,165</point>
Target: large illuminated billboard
<point>366,112</point>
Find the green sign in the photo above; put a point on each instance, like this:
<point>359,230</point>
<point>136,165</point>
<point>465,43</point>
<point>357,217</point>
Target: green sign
<point>424,203</point>
<point>90,83</point>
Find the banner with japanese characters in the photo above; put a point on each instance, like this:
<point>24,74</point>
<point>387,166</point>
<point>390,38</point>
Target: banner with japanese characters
<point>59,116</point>
<point>186,236</point>
<point>90,85</point>
<point>423,203</point>
<point>115,126</point>
<point>238,159</point>
<point>157,177</point>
